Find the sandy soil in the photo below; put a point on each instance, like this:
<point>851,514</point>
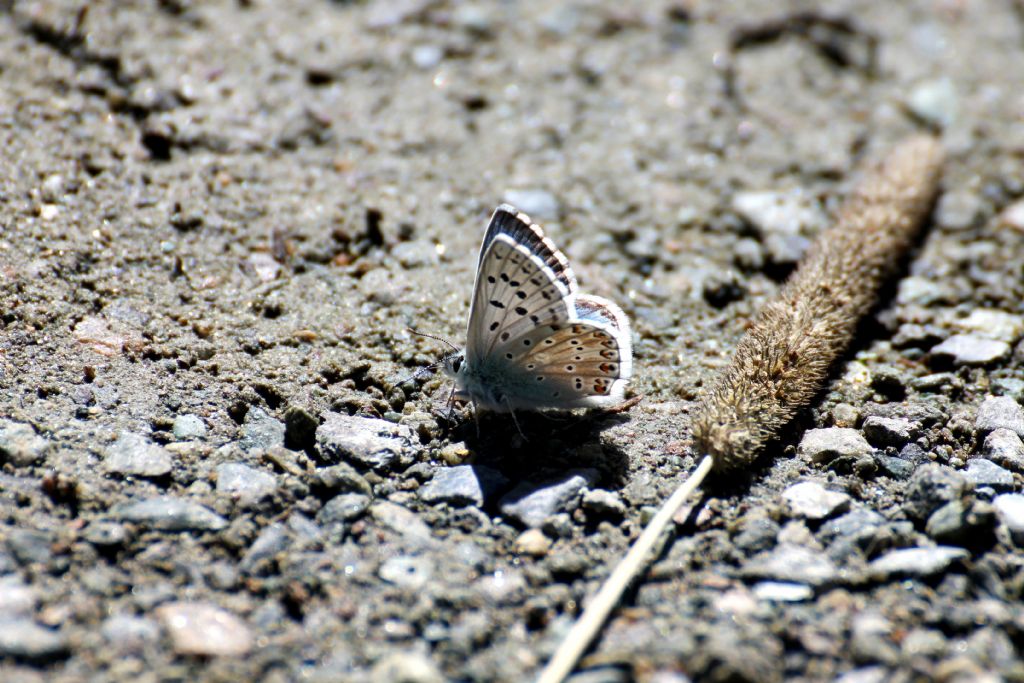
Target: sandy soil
<point>220,219</point>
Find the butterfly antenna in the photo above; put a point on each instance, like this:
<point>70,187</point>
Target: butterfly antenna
<point>435,338</point>
<point>419,373</point>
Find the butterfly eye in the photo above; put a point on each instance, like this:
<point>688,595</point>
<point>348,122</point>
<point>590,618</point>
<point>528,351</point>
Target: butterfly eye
<point>456,363</point>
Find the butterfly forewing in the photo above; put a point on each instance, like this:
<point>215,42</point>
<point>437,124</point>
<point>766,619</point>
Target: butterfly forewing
<point>515,293</point>
<point>506,220</point>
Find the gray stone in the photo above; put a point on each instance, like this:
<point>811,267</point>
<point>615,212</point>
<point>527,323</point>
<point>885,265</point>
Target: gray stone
<point>22,638</point>
<point>931,487</point>
<point>789,212</point>
<point>934,101</point>
<point>792,564</point>
<point>958,209</point>
<point>166,513</point>
<point>983,472</point>
<point>1004,447</point>
<point>785,249</point>
<point>29,546</point>
<point>1010,511</point>
<point>463,485</point>
<point>867,674</point>
<point>859,525</point>
<point>407,571</point>
<point>541,205</point>
<point>1000,412</point>
<point>342,478</point>
<point>993,324</point>
<point>890,431</point>
<point>1009,386</point>
<point>105,533</point>
<point>205,630</point>
<point>17,599</point>
<point>243,483</point>
<point>260,430</point>
<point>916,561</point>
<point>603,503</point>
<point>967,349</point>
<point>344,507</point>
<point>188,427</point>
<point>378,444</point>
<point>20,445</point>
<point>757,534</point>
<point>407,667</point>
<point>780,591</point>
<point>272,540</point>
<point>912,336</point>
<point>414,532</point>
<point>961,523</point>
<point>136,456</point>
<point>811,500</point>
<point>920,290</point>
<point>427,56</point>
<point>870,638</point>
<point>530,503</point>
<point>129,634</point>
<point>825,445</point>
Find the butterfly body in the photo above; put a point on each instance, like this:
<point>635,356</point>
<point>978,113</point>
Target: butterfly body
<point>533,342</point>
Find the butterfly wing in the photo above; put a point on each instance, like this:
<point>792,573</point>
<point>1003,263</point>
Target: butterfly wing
<point>585,362</point>
<point>522,281</point>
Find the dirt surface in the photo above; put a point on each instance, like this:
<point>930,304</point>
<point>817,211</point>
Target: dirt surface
<point>220,219</point>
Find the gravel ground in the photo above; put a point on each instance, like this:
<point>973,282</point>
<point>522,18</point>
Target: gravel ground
<point>219,220</point>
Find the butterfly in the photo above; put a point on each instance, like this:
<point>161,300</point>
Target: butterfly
<point>533,342</point>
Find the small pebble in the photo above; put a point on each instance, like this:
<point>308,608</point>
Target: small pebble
<point>530,504</point>
<point>427,56</point>
<point>344,507</point>
<point>792,564</point>
<point>406,667</point>
<point>342,478</point>
<point>29,546</point>
<point>134,455</point>
<point>915,561</point>
<point>961,523</point>
<point>105,534</point>
<point>824,445</point>
<point>791,212</point>
<point>1010,511</point>
<point>934,101</point>
<point>17,599</point>
<point>188,427</point>
<point>414,532</point>
<point>22,638</point>
<point>968,349</point>
<point>369,442</point>
<point>890,431</point>
<point>407,571</point>
<point>1004,447</point>
<point>1013,215</point>
<point>603,503</point>
<point>129,634</point>
<point>958,209</point>
<point>167,513</point>
<point>982,472</point>
<point>813,501</point>
<point>20,445</point>
<point>993,324</point>
<point>1000,412</point>
<point>540,205</point>
<point>463,485</point>
<point>931,487</point>
<point>271,541</point>
<point>779,591</point>
<point>533,542</point>
<point>245,484</point>
<point>260,430</point>
<point>203,629</point>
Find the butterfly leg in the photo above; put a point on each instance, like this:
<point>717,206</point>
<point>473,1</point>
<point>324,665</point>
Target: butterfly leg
<point>515,421</point>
